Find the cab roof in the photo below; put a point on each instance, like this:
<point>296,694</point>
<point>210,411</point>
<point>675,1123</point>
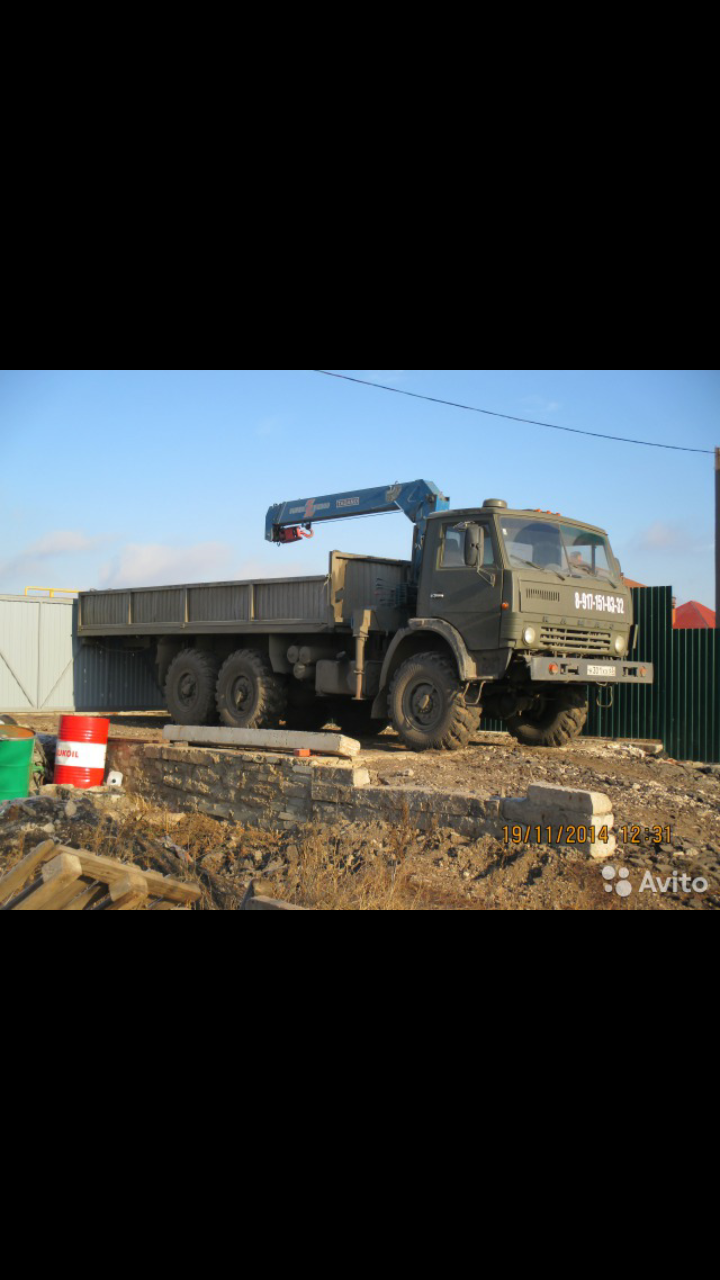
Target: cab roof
<point>467,513</point>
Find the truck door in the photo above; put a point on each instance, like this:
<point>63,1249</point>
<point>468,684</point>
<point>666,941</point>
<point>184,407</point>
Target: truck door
<point>468,597</point>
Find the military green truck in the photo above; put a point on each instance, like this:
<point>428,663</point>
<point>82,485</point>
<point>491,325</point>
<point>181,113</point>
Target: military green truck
<point>513,614</point>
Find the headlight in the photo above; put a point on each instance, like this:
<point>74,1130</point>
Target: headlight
<point>619,644</point>
<point>529,635</point>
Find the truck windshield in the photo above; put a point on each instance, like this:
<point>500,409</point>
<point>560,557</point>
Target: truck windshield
<point>557,548</point>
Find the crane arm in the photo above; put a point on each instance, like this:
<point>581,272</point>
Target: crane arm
<point>418,499</point>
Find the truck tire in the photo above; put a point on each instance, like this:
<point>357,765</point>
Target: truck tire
<point>427,705</point>
<point>190,688</point>
<point>249,694</point>
<point>553,722</point>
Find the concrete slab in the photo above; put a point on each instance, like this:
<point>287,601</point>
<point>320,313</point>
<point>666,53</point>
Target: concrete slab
<point>330,744</point>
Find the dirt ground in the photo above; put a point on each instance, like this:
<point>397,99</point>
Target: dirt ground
<point>667,822</point>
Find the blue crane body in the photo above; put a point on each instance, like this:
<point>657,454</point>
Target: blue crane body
<point>290,521</point>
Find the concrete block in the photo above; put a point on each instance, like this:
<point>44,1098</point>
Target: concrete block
<point>328,764</point>
<point>514,810</point>
<point>472,827</point>
<point>600,850</point>
<point>331,793</point>
<point>324,811</point>
<point>462,803</point>
<point>576,801</point>
<point>216,810</point>
<point>297,790</point>
<point>171,780</point>
<point>414,799</point>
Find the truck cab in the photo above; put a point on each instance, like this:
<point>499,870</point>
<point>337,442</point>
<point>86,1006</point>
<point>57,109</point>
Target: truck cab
<point>540,606</point>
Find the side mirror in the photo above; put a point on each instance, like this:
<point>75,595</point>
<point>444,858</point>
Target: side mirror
<point>474,546</point>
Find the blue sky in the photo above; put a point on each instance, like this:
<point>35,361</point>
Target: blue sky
<point>138,477</point>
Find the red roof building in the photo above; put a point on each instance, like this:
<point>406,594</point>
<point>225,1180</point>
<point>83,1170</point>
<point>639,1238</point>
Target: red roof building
<point>694,615</point>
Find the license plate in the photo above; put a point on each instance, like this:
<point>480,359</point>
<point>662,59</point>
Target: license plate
<point>600,671</point>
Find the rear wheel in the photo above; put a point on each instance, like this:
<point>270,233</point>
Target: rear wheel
<point>249,694</point>
<point>554,719</point>
<point>427,705</point>
<point>190,688</point>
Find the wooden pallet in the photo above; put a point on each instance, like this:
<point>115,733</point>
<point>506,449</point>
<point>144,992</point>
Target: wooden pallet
<point>56,878</point>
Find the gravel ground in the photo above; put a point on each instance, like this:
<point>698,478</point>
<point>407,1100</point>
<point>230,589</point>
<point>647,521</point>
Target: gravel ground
<point>441,870</point>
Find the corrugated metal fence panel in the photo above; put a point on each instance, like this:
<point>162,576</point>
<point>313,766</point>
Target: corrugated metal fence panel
<point>696,695</point>
<point>682,707</point>
<point>641,711</point>
<point>19,621</point>
<point>114,680</point>
<point>44,667</point>
<point>55,656</point>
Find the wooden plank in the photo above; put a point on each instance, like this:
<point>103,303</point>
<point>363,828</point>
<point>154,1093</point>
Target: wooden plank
<point>94,868</point>
<point>109,870</point>
<point>93,893</point>
<point>129,893</point>
<point>66,897</point>
<point>59,885</point>
<point>17,877</point>
<point>259,903</point>
<point>328,744</point>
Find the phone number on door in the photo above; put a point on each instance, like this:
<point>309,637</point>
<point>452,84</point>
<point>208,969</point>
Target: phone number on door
<point>604,604</point>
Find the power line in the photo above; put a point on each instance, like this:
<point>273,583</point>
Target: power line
<point>599,435</point>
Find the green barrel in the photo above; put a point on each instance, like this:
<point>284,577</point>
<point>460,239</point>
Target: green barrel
<point>16,758</point>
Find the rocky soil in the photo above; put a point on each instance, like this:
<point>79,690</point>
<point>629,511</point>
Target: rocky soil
<point>667,820</point>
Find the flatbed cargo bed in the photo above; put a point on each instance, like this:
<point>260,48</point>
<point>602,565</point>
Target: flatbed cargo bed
<point>300,605</point>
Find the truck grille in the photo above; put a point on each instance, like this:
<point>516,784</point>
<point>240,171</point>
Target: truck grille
<point>542,593</point>
<point>571,640</point>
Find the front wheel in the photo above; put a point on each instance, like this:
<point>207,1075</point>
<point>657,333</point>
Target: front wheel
<point>427,705</point>
<point>553,720</point>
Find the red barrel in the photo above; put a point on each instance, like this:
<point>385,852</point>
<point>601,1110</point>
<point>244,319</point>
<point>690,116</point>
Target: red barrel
<point>81,750</point>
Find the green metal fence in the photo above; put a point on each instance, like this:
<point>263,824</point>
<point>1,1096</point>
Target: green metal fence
<point>682,707</point>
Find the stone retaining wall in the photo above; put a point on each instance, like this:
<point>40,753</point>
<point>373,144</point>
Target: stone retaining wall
<point>275,792</point>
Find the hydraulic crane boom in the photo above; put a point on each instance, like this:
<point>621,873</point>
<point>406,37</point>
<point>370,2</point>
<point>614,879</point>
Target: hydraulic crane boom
<point>418,499</point>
